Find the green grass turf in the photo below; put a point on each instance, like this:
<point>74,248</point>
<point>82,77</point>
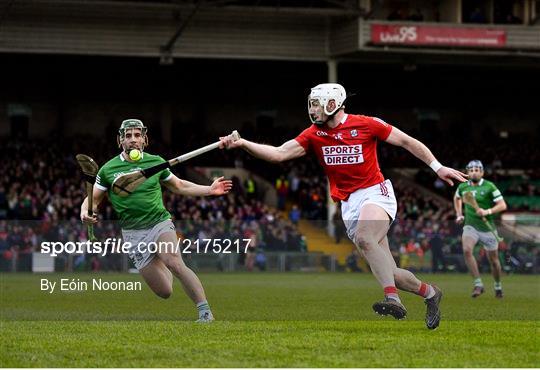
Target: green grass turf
<point>266,320</point>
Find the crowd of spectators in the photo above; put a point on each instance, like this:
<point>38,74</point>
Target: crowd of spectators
<point>42,183</point>
<point>234,217</point>
<point>42,189</point>
<point>425,237</point>
<point>456,150</point>
<point>520,190</point>
<point>307,183</point>
<point>308,187</point>
<point>423,224</point>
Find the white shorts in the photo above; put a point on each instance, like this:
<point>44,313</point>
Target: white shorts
<point>139,239</point>
<point>486,238</point>
<point>381,195</point>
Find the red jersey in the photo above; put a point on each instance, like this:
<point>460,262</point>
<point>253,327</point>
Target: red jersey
<point>347,152</point>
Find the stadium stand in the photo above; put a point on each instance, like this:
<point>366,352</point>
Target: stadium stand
<point>190,101</point>
<point>34,191</point>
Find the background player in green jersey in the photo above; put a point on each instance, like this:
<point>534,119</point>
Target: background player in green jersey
<point>144,218</point>
<point>480,225</point>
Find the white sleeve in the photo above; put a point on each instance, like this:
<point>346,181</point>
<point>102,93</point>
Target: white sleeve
<point>98,185</point>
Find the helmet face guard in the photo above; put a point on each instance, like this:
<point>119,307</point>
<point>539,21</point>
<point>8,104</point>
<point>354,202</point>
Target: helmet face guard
<point>475,178</point>
<point>129,124</point>
<point>475,163</point>
<point>321,95</point>
<point>314,104</point>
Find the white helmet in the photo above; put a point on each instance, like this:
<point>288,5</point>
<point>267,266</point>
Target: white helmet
<point>323,93</point>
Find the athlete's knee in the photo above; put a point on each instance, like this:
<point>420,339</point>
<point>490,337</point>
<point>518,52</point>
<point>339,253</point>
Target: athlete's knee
<point>363,240</point>
<point>173,266</point>
<point>468,252</point>
<point>164,292</point>
<point>493,260</point>
<point>172,262</point>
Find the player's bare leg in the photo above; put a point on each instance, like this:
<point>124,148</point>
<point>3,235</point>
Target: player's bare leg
<point>373,224</point>
<point>158,277</point>
<point>493,258</point>
<point>190,282</point>
<point>470,261</point>
<point>407,281</point>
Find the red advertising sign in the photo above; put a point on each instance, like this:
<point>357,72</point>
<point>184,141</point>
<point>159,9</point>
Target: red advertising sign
<point>401,34</point>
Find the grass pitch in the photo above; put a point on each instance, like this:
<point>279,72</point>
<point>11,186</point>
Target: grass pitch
<point>266,320</point>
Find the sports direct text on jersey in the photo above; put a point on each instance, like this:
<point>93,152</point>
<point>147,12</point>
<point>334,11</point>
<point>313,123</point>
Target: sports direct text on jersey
<point>342,154</point>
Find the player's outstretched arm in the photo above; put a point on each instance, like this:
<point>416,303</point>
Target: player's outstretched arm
<point>220,186</point>
<point>422,152</point>
<point>98,195</point>
<point>289,150</point>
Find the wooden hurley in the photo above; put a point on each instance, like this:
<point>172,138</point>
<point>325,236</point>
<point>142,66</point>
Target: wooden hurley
<point>468,198</point>
<point>126,184</point>
<point>90,169</point>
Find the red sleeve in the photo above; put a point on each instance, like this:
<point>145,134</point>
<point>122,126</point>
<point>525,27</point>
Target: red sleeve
<point>303,139</point>
<point>378,127</point>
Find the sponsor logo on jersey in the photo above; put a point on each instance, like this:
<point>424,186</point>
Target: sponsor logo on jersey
<point>342,154</point>
<point>321,133</point>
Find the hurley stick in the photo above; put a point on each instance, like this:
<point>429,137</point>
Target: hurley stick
<point>90,169</point>
<point>126,184</point>
<point>468,198</point>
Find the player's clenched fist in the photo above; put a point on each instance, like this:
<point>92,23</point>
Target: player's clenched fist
<point>86,219</point>
<point>482,212</point>
<point>229,142</point>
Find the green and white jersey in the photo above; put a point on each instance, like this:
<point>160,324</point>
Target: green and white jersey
<point>486,194</point>
<point>144,207</point>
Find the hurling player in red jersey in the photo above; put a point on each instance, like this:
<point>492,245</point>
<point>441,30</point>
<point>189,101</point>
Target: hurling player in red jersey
<point>346,146</point>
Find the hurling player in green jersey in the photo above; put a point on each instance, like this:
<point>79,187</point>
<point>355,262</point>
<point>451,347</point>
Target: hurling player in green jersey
<point>145,220</point>
<point>480,225</point>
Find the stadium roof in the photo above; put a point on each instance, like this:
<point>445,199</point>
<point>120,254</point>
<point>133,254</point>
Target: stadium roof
<point>332,4</point>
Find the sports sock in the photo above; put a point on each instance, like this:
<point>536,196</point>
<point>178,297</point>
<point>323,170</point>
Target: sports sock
<point>426,291</point>
<point>498,285</point>
<point>391,292</point>
<point>203,307</point>
<point>478,282</point>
